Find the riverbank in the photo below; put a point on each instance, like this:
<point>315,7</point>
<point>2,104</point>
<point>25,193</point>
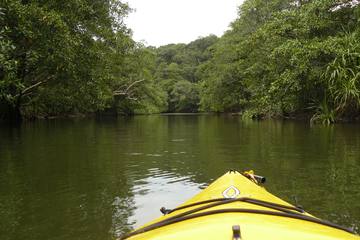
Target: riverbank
<point>304,117</point>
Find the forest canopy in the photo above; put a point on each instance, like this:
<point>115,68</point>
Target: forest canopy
<point>70,57</point>
<point>280,58</point>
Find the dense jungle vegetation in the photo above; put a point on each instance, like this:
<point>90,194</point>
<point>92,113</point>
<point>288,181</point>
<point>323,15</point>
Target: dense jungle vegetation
<point>280,58</point>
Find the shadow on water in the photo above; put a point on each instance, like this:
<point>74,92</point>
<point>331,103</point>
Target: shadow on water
<point>96,179</point>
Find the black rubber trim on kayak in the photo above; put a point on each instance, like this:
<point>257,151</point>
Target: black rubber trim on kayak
<point>236,210</point>
<point>242,199</point>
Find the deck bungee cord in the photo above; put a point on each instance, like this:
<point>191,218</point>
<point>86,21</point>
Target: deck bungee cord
<point>230,200</point>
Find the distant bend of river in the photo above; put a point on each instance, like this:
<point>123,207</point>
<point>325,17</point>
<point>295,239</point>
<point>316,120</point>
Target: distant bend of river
<point>96,179</point>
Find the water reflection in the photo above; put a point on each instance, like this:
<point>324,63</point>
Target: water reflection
<point>160,188</point>
<point>88,179</point>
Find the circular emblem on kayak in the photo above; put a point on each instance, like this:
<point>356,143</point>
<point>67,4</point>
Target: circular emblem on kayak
<point>231,192</point>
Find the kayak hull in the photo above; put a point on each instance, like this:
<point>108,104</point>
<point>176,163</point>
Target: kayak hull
<point>256,218</point>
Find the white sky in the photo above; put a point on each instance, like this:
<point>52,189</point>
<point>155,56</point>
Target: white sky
<point>160,22</point>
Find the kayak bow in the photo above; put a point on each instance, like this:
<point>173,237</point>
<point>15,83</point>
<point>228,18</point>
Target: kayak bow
<point>235,206</point>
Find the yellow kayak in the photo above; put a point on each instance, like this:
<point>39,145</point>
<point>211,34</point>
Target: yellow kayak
<point>236,206</point>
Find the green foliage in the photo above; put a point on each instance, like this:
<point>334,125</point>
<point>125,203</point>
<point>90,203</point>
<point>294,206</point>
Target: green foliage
<point>323,113</point>
<point>68,57</point>
<point>134,86</point>
<point>179,69</point>
<point>342,76</point>
<point>184,97</point>
<point>223,86</point>
<point>280,56</point>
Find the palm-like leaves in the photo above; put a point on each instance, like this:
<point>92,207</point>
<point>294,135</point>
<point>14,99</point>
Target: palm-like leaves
<point>343,81</point>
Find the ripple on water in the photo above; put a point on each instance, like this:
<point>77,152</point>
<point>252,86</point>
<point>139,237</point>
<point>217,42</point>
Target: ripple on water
<point>178,140</point>
<point>154,155</point>
<point>135,154</point>
<point>157,189</point>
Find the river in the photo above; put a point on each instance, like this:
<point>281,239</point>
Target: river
<point>96,179</point>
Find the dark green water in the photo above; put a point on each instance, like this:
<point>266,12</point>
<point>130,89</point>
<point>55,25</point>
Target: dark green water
<point>92,179</point>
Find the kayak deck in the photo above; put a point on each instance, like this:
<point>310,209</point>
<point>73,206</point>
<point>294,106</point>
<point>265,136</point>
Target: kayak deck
<point>236,200</point>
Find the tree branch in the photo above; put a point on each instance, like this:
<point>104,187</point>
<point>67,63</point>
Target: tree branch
<point>126,91</point>
<point>133,84</point>
<point>31,88</point>
<point>132,98</point>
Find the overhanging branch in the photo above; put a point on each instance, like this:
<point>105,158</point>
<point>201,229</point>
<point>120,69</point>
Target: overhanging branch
<point>126,91</point>
<point>31,88</point>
